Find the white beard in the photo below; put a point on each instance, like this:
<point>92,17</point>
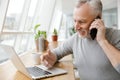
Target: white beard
<point>82,34</point>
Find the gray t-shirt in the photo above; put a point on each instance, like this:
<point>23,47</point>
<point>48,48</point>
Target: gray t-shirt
<point>89,57</point>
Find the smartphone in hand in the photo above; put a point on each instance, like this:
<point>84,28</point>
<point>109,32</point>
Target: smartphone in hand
<point>93,31</point>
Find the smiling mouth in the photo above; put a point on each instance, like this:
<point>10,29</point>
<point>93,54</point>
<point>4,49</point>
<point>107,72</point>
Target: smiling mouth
<point>82,33</point>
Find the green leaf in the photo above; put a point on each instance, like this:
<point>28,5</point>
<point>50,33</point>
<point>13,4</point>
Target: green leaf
<point>36,26</point>
<point>55,32</point>
<point>72,30</point>
<point>43,33</point>
<point>39,32</point>
<point>37,36</point>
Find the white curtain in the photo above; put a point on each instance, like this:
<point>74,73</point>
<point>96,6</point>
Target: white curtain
<point>44,13</point>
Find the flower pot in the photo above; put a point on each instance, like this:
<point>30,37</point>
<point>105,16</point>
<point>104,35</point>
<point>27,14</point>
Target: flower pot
<point>54,37</point>
<point>46,44</point>
<point>41,44</point>
<point>37,45</point>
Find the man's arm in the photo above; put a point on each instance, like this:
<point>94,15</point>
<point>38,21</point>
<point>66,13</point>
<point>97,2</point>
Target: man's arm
<point>52,56</point>
<point>112,53</point>
<point>65,48</point>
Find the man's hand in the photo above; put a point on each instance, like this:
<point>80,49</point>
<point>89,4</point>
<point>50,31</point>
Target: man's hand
<point>99,25</point>
<point>48,59</point>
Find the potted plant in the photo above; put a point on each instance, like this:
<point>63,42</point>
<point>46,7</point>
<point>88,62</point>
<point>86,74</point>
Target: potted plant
<point>72,31</point>
<point>40,39</point>
<point>55,35</point>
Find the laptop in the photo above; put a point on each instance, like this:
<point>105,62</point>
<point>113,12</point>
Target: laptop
<point>33,72</point>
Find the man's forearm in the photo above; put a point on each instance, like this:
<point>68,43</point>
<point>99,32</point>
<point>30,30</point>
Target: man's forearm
<point>112,53</point>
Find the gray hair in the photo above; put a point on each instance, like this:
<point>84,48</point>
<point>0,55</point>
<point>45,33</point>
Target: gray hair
<point>95,4</point>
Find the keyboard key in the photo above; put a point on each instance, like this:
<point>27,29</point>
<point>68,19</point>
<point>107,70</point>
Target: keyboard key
<point>36,71</point>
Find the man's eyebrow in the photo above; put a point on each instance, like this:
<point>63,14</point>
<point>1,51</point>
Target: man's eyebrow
<point>81,18</point>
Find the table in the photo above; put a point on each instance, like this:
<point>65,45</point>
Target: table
<point>9,72</point>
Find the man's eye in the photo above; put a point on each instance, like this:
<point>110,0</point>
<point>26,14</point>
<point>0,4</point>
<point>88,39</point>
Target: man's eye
<point>81,22</point>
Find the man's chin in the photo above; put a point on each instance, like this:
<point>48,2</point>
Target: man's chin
<point>82,33</point>
<point>82,36</point>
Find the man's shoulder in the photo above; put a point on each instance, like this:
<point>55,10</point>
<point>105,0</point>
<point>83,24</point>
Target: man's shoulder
<point>74,36</point>
<point>112,34</point>
<point>112,31</point>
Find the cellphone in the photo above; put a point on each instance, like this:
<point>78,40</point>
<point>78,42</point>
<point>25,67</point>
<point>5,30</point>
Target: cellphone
<point>93,31</point>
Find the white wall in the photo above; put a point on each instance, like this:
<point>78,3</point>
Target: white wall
<point>118,5</point>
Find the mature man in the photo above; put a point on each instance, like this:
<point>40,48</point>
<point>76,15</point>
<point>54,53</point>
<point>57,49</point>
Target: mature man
<point>94,59</point>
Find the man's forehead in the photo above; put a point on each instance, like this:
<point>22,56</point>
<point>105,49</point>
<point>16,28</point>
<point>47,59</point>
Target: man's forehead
<point>79,17</point>
<point>82,12</point>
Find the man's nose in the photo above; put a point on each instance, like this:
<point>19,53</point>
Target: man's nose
<point>77,26</point>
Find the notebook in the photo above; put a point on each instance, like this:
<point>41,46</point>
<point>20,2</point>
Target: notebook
<point>33,72</point>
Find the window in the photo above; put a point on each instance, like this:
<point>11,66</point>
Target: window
<point>13,16</point>
<point>3,9</point>
<point>110,17</point>
<point>18,19</point>
<point>14,26</point>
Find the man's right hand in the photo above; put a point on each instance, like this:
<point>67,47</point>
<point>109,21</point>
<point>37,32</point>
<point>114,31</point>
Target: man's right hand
<point>48,59</point>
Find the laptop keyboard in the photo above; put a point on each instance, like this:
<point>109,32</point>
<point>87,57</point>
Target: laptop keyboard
<point>36,71</point>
